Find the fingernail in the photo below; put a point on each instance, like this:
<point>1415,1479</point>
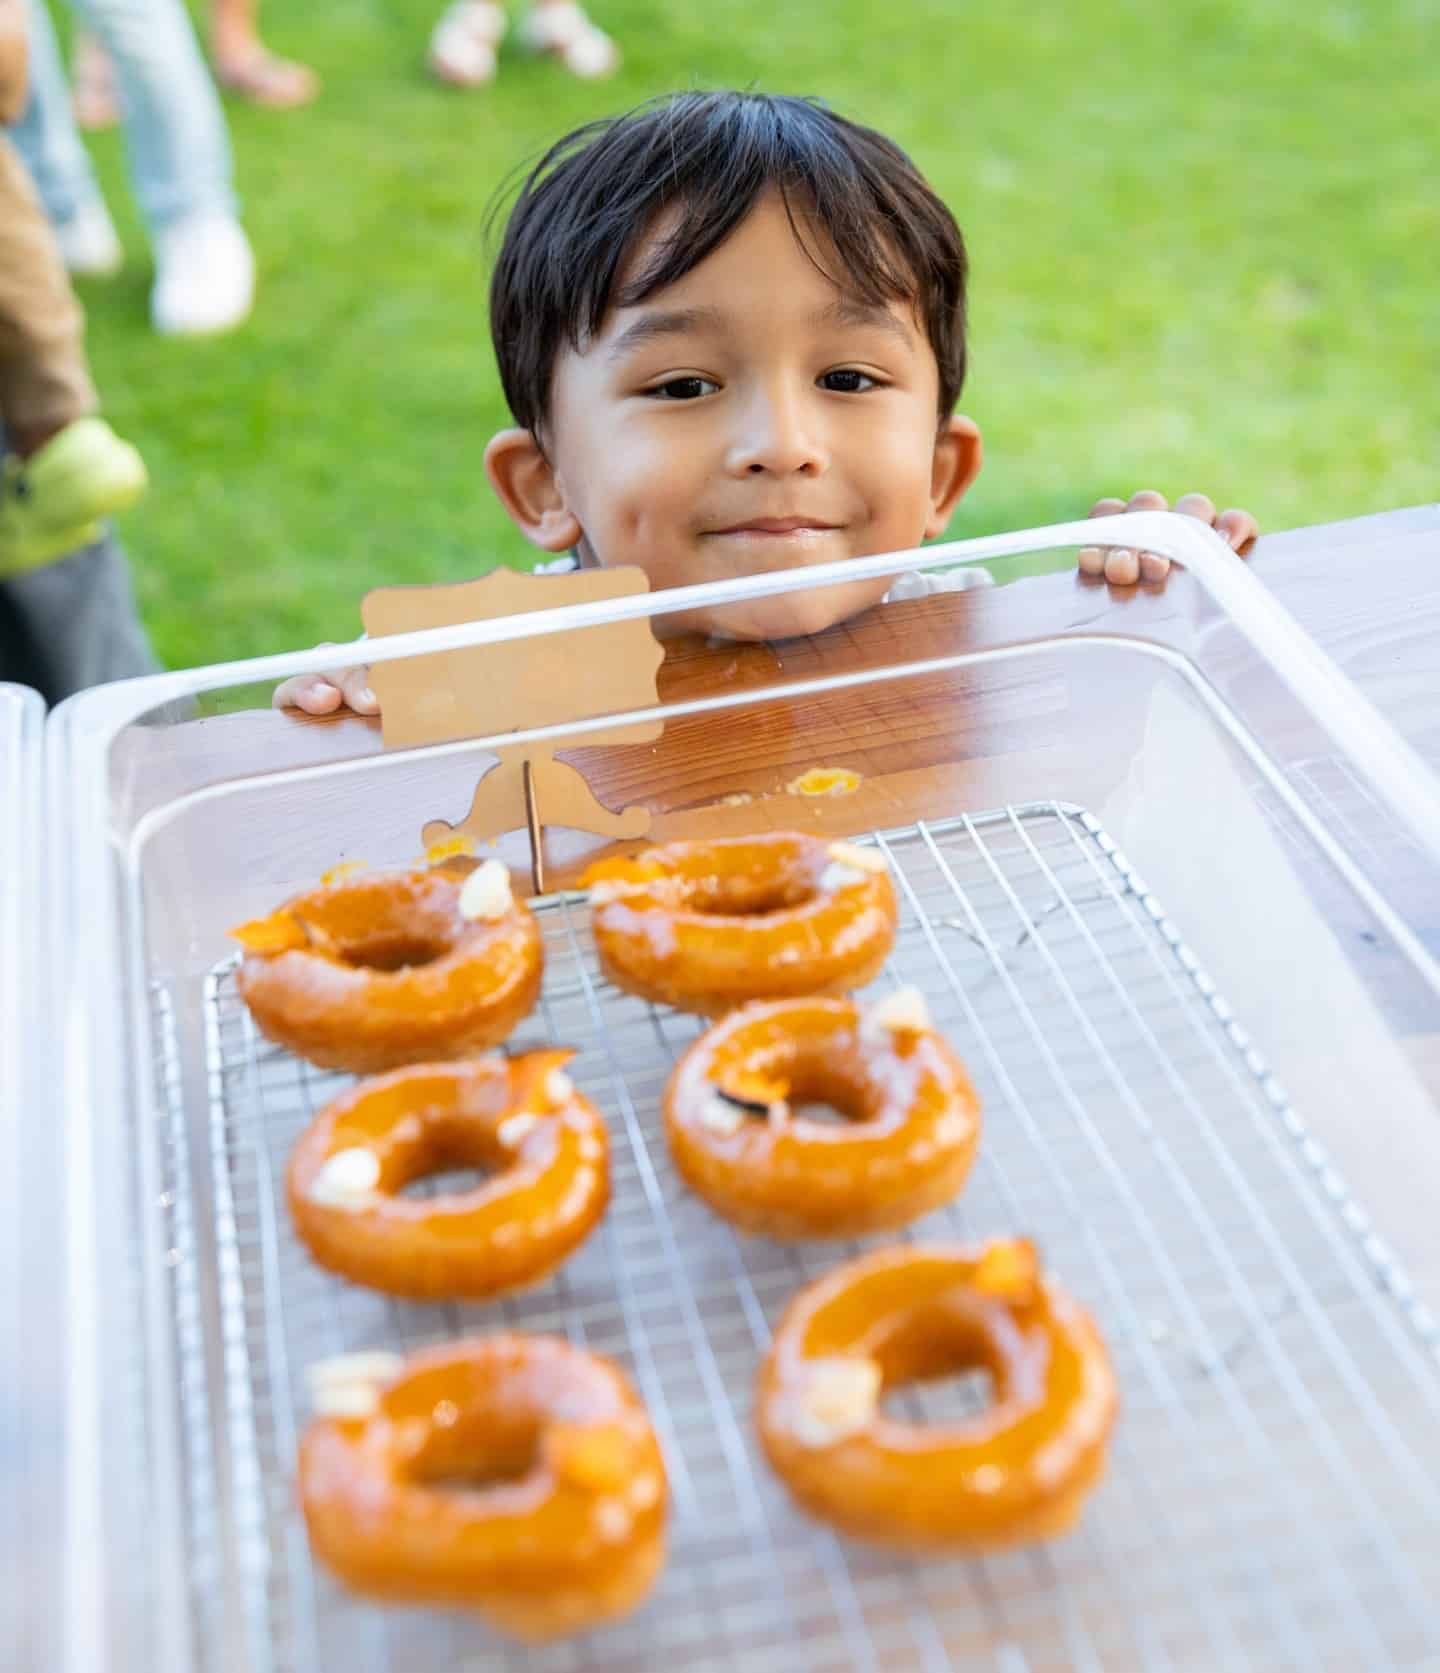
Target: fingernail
<point>368,697</point>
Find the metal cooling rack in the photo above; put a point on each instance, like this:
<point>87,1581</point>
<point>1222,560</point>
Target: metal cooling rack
<point>1273,1499</point>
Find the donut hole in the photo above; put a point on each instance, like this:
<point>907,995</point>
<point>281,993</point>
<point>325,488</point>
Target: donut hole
<point>750,897</point>
<point>822,1114</point>
<point>396,951</point>
<point>822,1094</point>
<point>941,1364</point>
<point>451,1158</point>
<point>384,924</point>
<point>447,1180</point>
<point>476,1452</point>
<point>959,1396</point>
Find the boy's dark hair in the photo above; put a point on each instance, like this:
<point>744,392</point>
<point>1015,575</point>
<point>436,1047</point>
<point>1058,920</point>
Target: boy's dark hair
<point>593,197</point>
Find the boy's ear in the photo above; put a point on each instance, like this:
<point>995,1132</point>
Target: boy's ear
<point>958,455</point>
<point>529,490</point>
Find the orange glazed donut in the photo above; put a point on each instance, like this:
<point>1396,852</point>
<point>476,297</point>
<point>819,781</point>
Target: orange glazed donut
<point>1018,1471</point>
<point>372,971</point>
<point>704,926</point>
<point>737,1142</point>
<point>512,1475</point>
<point>519,1114</point>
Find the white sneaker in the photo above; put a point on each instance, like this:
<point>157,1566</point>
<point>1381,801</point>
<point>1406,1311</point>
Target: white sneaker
<point>204,277</point>
<point>562,28</point>
<point>89,244</point>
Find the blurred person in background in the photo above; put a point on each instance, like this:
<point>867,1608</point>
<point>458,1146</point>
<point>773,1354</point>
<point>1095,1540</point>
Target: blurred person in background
<point>62,468</point>
<point>180,163</point>
<point>71,621</point>
<point>465,41</point>
<point>244,65</point>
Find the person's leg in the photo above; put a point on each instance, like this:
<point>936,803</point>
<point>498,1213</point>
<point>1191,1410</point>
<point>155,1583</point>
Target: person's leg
<point>49,141</point>
<point>73,624</point>
<point>180,163</point>
<point>44,379</point>
<point>174,127</point>
<point>245,65</point>
<point>62,468</point>
<point>96,98</point>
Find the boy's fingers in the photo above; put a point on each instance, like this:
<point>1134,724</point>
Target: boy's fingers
<point>313,694</point>
<point>1092,558</point>
<point>1149,566</point>
<point>355,688</point>
<point>1197,505</point>
<point>1122,566</point>
<point>1239,528</point>
<point>1107,508</point>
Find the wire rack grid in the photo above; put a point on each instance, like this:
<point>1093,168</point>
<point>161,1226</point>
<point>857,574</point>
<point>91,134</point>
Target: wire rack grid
<point>1273,1498</point>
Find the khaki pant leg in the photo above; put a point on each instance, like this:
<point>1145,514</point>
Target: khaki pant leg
<point>44,378</point>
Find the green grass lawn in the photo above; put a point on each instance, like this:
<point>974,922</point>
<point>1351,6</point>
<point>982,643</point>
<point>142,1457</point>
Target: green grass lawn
<point>1204,241</point>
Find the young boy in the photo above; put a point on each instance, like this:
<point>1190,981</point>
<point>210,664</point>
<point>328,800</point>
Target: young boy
<point>63,470</point>
<point>731,329</point>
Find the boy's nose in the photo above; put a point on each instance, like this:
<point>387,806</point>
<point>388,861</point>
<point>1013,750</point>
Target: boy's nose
<point>774,438</point>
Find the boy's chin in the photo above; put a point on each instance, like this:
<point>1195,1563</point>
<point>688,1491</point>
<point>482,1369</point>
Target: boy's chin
<point>791,616</point>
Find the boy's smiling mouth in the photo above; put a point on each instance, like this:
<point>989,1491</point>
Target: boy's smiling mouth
<point>775,528</point>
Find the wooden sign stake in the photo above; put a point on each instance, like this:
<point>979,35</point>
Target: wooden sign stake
<point>532,825</point>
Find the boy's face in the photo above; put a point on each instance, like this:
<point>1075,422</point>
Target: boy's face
<point>750,417</point>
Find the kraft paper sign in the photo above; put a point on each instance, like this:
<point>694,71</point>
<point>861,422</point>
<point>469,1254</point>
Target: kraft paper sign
<point>488,689</point>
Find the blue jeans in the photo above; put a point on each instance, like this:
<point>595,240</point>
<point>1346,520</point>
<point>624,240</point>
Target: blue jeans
<point>179,148</point>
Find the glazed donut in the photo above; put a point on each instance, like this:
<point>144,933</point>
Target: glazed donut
<point>1019,1471</point>
<point>738,1143</point>
<point>368,972</point>
<point>704,926</point>
<point>521,1115</point>
<point>512,1475</point>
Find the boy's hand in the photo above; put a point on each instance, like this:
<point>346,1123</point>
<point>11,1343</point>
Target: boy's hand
<point>323,694</point>
<point>1123,567</point>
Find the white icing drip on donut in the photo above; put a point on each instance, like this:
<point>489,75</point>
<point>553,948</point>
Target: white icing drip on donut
<point>486,892</point>
<point>850,854</point>
<point>347,1179</point>
<point>719,1115</point>
<point>515,1129</point>
<point>839,1398</point>
<point>349,1385</point>
<point>902,1012</point>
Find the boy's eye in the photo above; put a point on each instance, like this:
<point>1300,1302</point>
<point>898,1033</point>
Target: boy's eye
<point>847,381</point>
<point>683,389</point>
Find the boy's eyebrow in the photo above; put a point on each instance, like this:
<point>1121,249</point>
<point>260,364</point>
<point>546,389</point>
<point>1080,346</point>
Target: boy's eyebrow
<point>664,322</point>
<point>854,310</point>
<point>676,322</point>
